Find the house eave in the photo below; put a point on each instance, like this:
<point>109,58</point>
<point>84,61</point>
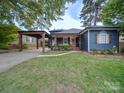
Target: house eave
<point>66,34</point>
<point>100,28</point>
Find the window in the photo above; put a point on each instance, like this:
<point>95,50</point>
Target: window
<point>30,39</point>
<point>65,40</point>
<point>103,38</point>
<point>27,39</point>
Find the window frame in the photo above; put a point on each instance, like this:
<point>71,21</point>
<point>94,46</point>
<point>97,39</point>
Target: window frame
<point>103,37</point>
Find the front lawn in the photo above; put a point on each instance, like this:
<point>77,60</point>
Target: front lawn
<point>73,73</point>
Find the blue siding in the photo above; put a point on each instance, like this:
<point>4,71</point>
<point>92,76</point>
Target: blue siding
<point>94,45</point>
<point>84,41</point>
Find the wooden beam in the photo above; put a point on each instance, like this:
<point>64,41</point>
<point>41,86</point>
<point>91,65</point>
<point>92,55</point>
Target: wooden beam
<point>43,42</point>
<point>50,41</point>
<point>20,42</point>
<point>31,33</point>
<point>37,43</point>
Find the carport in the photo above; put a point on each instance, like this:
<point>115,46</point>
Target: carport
<point>36,34</point>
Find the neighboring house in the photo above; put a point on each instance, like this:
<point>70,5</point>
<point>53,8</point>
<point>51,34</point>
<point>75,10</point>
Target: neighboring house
<point>70,36</point>
<point>121,43</point>
<point>89,39</point>
<point>121,38</point>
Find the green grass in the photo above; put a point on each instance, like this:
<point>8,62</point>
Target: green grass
<point>73,73</point>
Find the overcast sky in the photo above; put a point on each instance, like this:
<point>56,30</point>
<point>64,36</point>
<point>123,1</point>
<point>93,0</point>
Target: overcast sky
<point>71,17</point>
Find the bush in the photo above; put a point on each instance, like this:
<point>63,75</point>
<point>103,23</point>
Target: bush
<point>8,34</point>
<point>112,51</point>
<point>54,47</point>
<point>25,46</point>
<point>64,47</point>
<point>105,51</point>
<point>60,47</point>
<point>4,46</point>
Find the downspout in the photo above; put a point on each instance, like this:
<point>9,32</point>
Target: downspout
<point>88,41</point>
<point>118,50</point>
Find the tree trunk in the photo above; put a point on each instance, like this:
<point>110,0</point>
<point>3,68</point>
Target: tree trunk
<point>95,15</point>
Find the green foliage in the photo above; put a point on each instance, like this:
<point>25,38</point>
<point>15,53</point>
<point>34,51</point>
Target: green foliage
<point>25,46</point>
<point>105,51</point>
<point>113,13</point>
<point>61,47</point>
<point>8,33</point>
<point>64,46</point>
<point>4,46</point>
<point>32,14</point>
<point>90,12</point>
<point>112,51</point>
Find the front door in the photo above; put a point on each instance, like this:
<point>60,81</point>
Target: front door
<point>77,41</point>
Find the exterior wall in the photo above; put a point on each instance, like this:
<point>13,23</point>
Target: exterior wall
<point>28,40</point>
<point>93,42</point>
<point>121,38</point>
<point>31,41</point>
<point>84,41</point>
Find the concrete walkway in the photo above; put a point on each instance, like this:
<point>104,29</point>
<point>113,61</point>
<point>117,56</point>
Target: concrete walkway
<point>56,54</point>
<point>8,60</point>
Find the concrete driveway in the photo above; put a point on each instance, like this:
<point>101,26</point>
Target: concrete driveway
<point>8,60</point>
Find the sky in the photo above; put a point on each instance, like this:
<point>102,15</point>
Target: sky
<point>71,18</point>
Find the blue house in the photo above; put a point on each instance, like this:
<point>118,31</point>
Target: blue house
<point>99,38</point>
<point>88,39</point>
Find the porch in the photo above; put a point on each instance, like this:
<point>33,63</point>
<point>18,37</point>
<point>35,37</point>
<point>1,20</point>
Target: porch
<point>71,40</point>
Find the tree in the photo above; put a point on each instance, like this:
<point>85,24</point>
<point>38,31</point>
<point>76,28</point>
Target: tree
<point>8,33</point>
<point>113,13</point>
<point>90,12</point>
<point>29,13</point>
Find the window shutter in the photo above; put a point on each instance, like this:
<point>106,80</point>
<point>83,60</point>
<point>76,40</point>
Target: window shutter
<point>110,38</point>
<point>97,39</point>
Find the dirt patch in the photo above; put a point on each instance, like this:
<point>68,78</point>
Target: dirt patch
<point>68,89</point>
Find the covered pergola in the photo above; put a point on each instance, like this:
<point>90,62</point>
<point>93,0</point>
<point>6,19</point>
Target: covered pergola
<point>36,34</point>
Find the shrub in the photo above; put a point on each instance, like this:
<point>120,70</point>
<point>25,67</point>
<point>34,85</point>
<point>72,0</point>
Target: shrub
<point>54,47</point>
<point>105,51</point>
<point>25,46</point>
<point>64,46</point>
<point>112,51</point>
<point>4,46</point>
<point>60,47</point>
<point>8,33</point>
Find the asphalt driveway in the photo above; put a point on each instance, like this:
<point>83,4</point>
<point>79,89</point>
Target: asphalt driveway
<point>8,60</point>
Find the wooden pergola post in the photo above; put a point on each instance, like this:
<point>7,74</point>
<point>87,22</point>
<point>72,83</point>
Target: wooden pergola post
<point>20,42</point>
<point>37,43</point>
<point>43,42</point>
<point>55,41</point>
<point>50,41</point>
